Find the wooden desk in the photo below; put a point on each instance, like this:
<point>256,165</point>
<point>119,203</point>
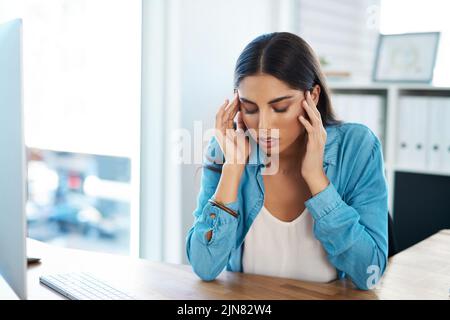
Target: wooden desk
<point>420,272</point>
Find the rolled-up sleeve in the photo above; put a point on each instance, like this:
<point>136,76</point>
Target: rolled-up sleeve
<point>354,232</point>
<point>209,257</point>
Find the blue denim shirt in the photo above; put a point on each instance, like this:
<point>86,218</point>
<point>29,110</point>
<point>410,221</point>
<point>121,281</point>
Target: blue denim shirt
<point>350,214</point>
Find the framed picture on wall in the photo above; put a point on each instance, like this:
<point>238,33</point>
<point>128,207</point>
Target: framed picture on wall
<point>407,57</point>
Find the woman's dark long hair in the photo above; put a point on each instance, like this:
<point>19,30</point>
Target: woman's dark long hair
<point>290,59</point>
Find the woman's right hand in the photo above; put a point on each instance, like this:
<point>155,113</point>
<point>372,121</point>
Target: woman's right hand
<point>236,149</point>
<point>234,143</point>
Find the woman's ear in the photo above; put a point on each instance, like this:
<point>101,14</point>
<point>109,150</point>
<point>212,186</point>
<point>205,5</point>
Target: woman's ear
<point>315,93</point>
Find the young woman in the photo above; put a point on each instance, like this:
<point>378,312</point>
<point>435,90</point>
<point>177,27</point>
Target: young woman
<point>322,215</point>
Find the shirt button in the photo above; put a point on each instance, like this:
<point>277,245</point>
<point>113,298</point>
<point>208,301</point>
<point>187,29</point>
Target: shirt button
<point>212,215</point>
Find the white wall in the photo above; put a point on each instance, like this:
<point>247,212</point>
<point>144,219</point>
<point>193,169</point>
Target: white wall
<point>345,32</point>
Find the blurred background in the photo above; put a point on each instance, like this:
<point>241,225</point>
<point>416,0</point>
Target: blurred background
<point>107,83</point>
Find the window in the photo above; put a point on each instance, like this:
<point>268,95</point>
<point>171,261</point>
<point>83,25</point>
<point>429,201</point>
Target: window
<point>82,102</point>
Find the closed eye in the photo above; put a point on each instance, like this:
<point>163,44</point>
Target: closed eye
<point>280,109</point>
<point>249,109</point>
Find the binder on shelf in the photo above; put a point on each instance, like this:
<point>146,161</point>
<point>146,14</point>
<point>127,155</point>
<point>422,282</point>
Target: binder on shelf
<point>403,144</point>
<point>411,135</point>
<point>436,133</point>
<point>419,129</point>
<point>361,108</point>
<point>373,115</point>
<point>446,137</point>
<point>355,108</point>
<point>338,101</point>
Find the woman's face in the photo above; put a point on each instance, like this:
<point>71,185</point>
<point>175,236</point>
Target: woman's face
<point>267,103</point>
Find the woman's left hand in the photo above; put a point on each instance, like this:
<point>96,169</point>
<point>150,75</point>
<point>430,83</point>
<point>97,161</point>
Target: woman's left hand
<point>316,136</point>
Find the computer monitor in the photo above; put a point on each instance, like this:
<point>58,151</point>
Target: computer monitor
<point>12,160</point>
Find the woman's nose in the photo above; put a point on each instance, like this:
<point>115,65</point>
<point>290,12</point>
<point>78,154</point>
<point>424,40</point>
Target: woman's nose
<point>264,121</point>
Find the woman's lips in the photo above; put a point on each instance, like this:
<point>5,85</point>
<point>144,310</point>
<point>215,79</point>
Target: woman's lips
<point>268,142</point>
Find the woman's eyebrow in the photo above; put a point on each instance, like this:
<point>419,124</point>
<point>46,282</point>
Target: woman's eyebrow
<point>270,102</point>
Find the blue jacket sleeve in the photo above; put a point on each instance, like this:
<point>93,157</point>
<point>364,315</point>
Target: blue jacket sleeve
<point>209,258</point>
<point>354,232</point>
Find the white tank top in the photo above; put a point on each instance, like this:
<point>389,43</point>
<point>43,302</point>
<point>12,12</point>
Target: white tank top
<point>286,249</point>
